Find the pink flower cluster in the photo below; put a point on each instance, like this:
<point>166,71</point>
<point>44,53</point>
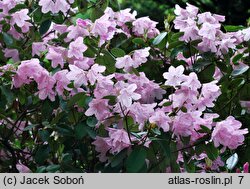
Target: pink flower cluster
<point>228,133</point>
<point>127,62</point>
<point>206,27</point>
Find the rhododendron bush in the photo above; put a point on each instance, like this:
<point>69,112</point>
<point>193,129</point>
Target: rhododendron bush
<point>86,87</point>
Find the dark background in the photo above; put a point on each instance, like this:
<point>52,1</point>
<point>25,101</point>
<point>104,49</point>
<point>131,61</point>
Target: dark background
<point>237,12</point>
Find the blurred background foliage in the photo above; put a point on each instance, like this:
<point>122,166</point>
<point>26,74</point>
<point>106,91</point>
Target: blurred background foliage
<point>237,12</point>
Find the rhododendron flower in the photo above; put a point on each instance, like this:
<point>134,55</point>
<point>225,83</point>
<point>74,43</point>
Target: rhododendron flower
<point>62,81</point>
<point>125,62</point>
<point>140,56</point>
<point>104,27</point>
<point>76,31</point>
<point>22,168</point>
<point>246,168</point>
<point>228,133</point>
<point>77,75</point>
<point>56,55</point>
<point>102,146</point>
<point>183,124</point>
<point>26,71</point>
<point>11,53</point>
<point>127,95</point>
<point>192,82</point>
<point>209,30</point>
<point>99,108</point>
<point>144,26</point>
<point>19,18</point>
<point>76,48</point>
<point>95,72</point>
<point>54,6</point>
<point>37,48</point>
<point>141,112</point>
<point>160,119</point>
<point>246,33</point>
<point>119,140</point>
<point>174,76</point>
<point>45,86</point>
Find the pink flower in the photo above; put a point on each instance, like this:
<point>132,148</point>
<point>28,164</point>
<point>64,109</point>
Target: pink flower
<point>27,70</point>
<point>246,168</point>
<point>183,124</point>
<point>102,146</point>
<point>99,108</point>
<point>140,56</point>
<point>37,48</point>
<point>19,18</point>
<point>22,168</point>
<point>54,6</point>
<point>77,75</point>
<point>192,82</point>
<point>56,55</point>
<point>160,119</point>
<point>141,112</point>
<point>246,33</point>
<point>174,76</point>
<point>119,140</point>
<point>104,87</point>
<point>62,81</point>
<point>127,94</point>
<point>45,86</point>
<point>76,48</point>
<point>209,18</point>
<point>94,73</point>
<point>209,30</point>
<point>11,53</point>
<point>125,62</point>
<point>104,27</point>
<point>76,31</point>
<point>144,26</point>
<point>228,133</point>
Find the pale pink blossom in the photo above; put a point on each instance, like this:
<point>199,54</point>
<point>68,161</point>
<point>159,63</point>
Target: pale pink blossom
<point>128,94</point>
<point>174,76</point>
<point>77,75</point>
<point>161,120</point>
<point>76,48</point>
<point>228,133</point>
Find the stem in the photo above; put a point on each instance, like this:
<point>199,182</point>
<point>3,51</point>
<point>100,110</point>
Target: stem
<point>126,122</point>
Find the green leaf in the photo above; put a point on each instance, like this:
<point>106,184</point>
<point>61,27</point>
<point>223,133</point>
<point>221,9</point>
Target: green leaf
<point>42,154</point>
<point>240,70</point>
<point>167,104</point>
<point>206,75</point>
<point>176,36</point>
<point>112,99</point>
<point>17,8</point>
<point>7,93</point>
<point>204,129</point>
<point>117,52</point>
<point>159,38</point>
<point>91,121</point>
<point>78,98</point>
<point>231,28</point>
<point>107,59</point>
<point>136,160</point>
<point>237,58</point>
<point>44,27</point>
<point>80,131</point>
<point>7,39</point>
<point>138,41</point>
<point>118,158</point>
<point>212,151</point>
<point>53,168</point>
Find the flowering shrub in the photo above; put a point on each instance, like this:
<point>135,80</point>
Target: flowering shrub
<point>85,88</point>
